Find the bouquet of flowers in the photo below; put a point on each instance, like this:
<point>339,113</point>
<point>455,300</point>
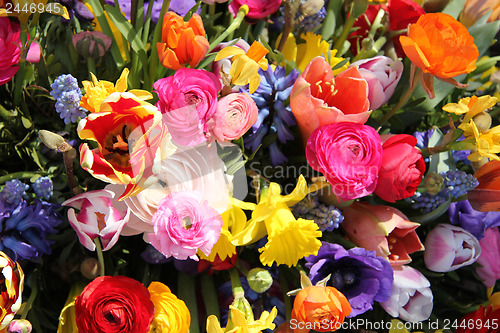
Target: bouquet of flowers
<point>249,165</point>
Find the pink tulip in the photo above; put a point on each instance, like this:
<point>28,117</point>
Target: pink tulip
<point>382,74</point>
<point>318,99</point>
<point>10,44</point>
<point>489,260</point>
<point>97,218</point>
<point>411,297</point>
<point>448,247</point>
<point>382,229</point>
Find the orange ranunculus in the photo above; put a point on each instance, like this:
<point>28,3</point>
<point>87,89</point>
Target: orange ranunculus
<point>171,313</point>
<point>318,308</point>
<point>486,196</point>
<point>318,98</point>
<point>440,45</point>
<point>184,43</point>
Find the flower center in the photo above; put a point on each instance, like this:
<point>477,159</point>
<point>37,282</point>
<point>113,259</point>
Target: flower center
<point>187,222</point>
<point>192,99</point>
<point>116,150</point>
<point>101,224</point>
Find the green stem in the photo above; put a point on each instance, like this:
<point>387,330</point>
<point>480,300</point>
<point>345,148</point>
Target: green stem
<point>34,292</point>
<point>236,283</point>
<point>286,299</point>
<point>100,257</point>
<point>242,12</point>
<point>91,65</point>
<point>209,295</point>
<point>153,59</point>
<point>403,99</point>
<point>187,293</point>
<point>22,175</point>
<point>339,43</point>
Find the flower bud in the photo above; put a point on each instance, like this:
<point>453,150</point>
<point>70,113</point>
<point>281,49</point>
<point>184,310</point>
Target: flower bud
<point>20,326</point>
<point>482,121</point>
<point>242,304</point>
<point>311,7</point>
<point>90,268</point>
<point>259,279</point>
<point>433,183</point>
<point>91,44</point>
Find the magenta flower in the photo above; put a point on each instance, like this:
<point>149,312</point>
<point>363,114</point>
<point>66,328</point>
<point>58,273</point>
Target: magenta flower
<point>183,225</point>
<point>448,247</point>
<point>97,218</point>
<point>411,297</point>
<point>489,260</point>
<point>10,44</point>
<point>235,114</point>
<point>382,74</point>
<point>258,9</point>
<point>349,156</point>
<point>191,94</point>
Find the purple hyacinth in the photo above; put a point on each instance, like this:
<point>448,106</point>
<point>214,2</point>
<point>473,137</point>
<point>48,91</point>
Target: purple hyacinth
<point>462,214</point>
<point>357,273</point>
<point>13,191</point>
<point>275,116</point>
<point>24,228</point>
<point>43,187</point>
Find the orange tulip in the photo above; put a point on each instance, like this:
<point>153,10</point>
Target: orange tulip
<point>184,43</point>
<point>440,45</point>
<point>486,196</point>
<point>322,309</point>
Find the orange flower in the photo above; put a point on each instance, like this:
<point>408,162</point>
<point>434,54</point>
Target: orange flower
<point>171,313</point>
<point>475,9</point>
<point>486,196</point>
<point>440,45</point>
<point>322,309</point>
<point>183,42</point>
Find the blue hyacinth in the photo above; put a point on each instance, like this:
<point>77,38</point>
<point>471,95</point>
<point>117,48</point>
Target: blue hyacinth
<point>328,218</point>
<point>43,187</point>
<point>67,94</point>
<point>13,191</point>
<point>24,228</point>
<point>275,116</point>
<point>456,184</point>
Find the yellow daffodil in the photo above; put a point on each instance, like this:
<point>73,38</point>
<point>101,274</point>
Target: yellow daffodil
<point>471,106</point>
<point>245,66</point>
<point>22,9</point>
<point>238,323</point>
<point>97,90</point>
<point>289,239</point>
<point>488,143</point>
<point>314,46</point>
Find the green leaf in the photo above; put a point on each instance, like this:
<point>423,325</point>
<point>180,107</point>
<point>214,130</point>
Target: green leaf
<point>329,23</point>
<point>484,34</point>
<point>26,122</point>
<point>454,8</point>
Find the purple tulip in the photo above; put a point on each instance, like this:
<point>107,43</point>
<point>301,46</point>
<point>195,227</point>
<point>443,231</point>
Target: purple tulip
<point>357,273</point>
<point>411,296</point>
<point>382,74</point>
<point>448,247</point>
<point>462,214</point>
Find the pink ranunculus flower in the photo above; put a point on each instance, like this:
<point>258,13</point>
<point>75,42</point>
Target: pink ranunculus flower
<point>183,224</point>
<point>448,247</point>
<point>349,156</point>
<point>191,94</point>
<point>382,74</point>
<point>411,297</point>
<point>318,98</point>
<point>489,260</point>
<point>258,9</point>
<point>402,167</point>
<point>382,229</point>
<point>10,44</point>
<point>97,218</point>
<point>235,114</point>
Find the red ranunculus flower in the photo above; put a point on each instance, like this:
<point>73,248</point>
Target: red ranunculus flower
<point>114,304</point>
<point>480,321</point>
<point>402,168</point>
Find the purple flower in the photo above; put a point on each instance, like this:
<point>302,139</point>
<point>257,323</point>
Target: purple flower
<point>357,273</point>
<point>462,214</point>
<point>181,7</point>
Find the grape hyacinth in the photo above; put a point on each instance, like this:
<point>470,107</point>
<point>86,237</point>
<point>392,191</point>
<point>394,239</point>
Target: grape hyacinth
<point>275,117</point>
<point>311,22</point>
<point>456,184</point>
<point>67,94</point>
<point>328,218</point>
<point>13,191</point>
<point>24,228</point>
<point>43,187</point>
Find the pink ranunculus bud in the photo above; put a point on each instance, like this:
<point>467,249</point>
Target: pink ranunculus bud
<point>91,44</point>
<point>448,247</point>
<point>411,297</point>
<point>489,260</point>
<point>382,229</point>
<point>235,114</point>
<point>318,99</point>
<point>402,168</point>
<point>97,218</point>
<point>382,74</point>
<point>10,44</point>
